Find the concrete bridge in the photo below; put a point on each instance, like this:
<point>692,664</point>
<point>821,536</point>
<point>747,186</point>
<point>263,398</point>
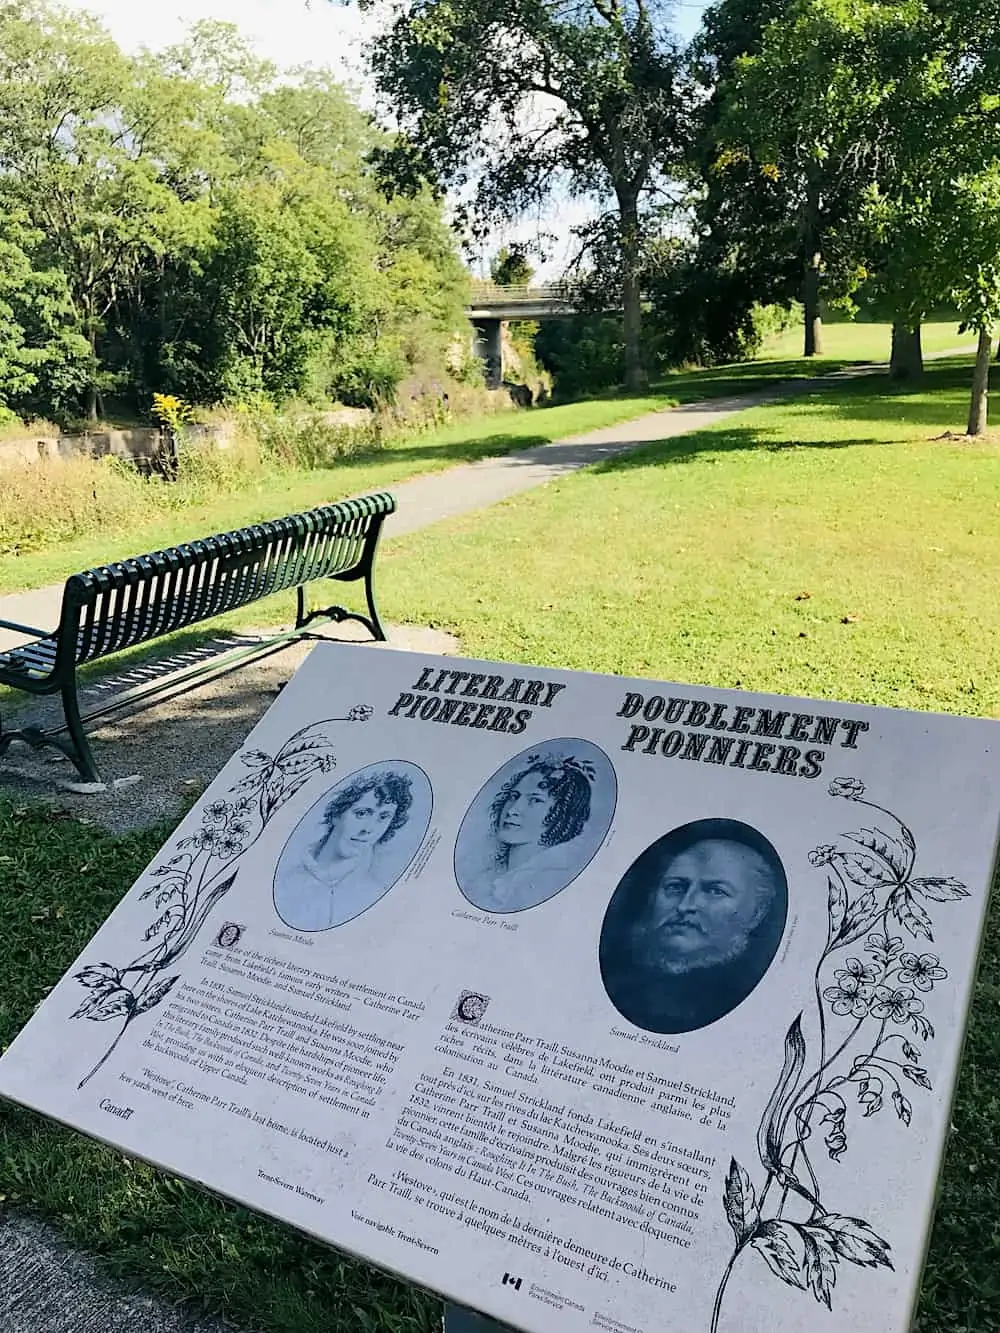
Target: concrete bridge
<point>491,306</point>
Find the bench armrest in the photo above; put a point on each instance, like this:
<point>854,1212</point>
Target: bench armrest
<point>25,629</point>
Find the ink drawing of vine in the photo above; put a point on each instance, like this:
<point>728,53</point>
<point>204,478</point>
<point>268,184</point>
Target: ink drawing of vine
<point>870,985</point>
<point>200,873</point>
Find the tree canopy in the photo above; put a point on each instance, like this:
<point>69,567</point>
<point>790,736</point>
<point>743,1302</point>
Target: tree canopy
<point>192,223</point>
<point>506,100</point>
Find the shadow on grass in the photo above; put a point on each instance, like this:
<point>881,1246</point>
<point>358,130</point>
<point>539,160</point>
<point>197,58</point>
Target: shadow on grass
<point>464,451</point>
<point>686,387</point>
<point>735,439</point>
<point>744,376</point>
<point>937,403</point>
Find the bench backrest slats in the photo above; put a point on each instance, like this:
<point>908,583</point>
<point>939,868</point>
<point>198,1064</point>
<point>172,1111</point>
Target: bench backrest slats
<point>132,601</point>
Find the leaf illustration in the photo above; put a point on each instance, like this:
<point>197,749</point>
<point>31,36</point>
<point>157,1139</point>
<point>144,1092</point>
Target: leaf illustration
<point>864,869</point>
<point>100,976</point>
<point>940,890</point>
<point>836,1138</point>
<point>870,1089</point>
<point>895,855</point>
<point>918,1076</point>
<point>115,1004</point>
<point>820,1263</point>
<point>769,1132</point>
<point>855,1241</point>
<point>256,759</point>
<point>774,1240</point>
<point>910,1053</point>
<point>166,896</point>
<point>910,915</point>
<point>861,915</point>
<point>154,996</point>
<point>837,904</point>
<point>922,1027</point>
<point>304,757</point>
<point>903,1108</point>
<point>210,897</point>
<point>740,1202</point>
<point>161,922</point>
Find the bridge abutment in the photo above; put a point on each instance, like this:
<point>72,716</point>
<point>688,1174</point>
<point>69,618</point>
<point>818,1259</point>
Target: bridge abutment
<point>489,349</point>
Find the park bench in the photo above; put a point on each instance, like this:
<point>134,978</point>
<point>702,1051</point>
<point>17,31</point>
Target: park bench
<point>131,602</point>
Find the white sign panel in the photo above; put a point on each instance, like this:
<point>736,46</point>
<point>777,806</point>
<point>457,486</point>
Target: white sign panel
<point>587,1002</point>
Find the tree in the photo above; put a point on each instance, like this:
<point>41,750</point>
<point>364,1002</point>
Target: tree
<point>42,362</point>
<point>81,153</point>
<point>511,267</point>
<point>508,100</point>
<point>819,112</point>
<point>935,214</point>
<point>190,223</point>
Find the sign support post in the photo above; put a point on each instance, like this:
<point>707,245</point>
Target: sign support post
<point>459,1320</point>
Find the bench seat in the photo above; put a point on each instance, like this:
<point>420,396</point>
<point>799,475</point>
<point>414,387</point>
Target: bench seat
<point>132,602</point>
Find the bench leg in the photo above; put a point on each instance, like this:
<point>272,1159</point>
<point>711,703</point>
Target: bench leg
<point>76,749</point>
<point>376,624</point>
<point>79,750</point>
<point>338,614</point>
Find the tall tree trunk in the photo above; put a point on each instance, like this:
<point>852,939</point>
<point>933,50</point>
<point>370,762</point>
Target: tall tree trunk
<point>980,384</point>
<point>91,399</point>
<point>906,361</point>
<point>635,371</point>
<point>810,301</point>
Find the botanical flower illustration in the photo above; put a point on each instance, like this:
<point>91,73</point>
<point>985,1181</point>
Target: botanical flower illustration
<point>866,1010</point>
<point>203,869</point>
<point>921,971</point>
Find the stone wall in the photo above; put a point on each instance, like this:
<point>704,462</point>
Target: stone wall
<point>141,445</point>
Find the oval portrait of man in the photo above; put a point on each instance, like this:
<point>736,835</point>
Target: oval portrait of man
<point>535,825</point>
<point>352,846</point>
<point>693,926</point>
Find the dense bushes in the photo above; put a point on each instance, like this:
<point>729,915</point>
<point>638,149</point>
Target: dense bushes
<point>189,223</point>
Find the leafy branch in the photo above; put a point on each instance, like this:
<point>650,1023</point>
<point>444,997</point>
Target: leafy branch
<point>872,1003</point>
<point>190,884</point>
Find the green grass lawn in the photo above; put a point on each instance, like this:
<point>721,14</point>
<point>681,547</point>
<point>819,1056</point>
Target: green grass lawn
<point>847,340</point>
<point>828,545</point>
<point>271,494</point>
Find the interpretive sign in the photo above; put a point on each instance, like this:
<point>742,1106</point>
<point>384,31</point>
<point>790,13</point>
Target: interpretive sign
<point>586,1002</point>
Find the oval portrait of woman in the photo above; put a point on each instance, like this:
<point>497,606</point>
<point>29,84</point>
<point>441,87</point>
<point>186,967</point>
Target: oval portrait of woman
<point>535,825</point>
<point>352,846</point>
<point>693,926</point>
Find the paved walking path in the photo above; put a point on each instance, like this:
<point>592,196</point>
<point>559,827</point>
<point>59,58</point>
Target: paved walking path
<point>44,1286</point>
<point>472,486</point>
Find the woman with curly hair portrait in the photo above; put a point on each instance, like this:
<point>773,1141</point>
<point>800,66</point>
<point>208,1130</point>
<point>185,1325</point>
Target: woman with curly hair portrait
<point>343,871</point>
<point>536,825</point>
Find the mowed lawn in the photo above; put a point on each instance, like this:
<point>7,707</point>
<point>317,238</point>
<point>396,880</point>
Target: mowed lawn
<point>871,342</point>
<point>163,516</point>
<point>829,546</point>
<point>160,515</point>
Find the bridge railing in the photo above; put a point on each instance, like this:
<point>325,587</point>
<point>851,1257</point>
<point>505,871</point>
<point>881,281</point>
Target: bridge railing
<point>483,292</point>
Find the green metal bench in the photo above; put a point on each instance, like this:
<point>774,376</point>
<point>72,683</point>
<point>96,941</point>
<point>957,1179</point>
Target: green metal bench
<point>119,606</point>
